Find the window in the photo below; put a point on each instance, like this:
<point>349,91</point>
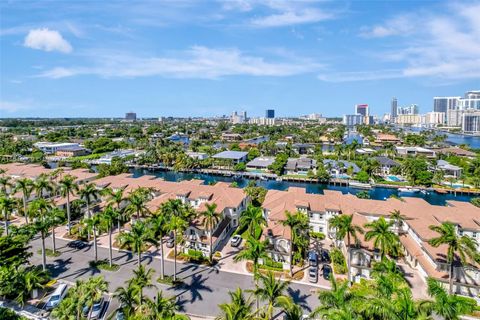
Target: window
<point>460,232</point>
<point>474,234</point>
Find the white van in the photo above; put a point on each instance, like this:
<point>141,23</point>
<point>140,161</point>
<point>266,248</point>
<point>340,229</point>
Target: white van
<point>56,297</point>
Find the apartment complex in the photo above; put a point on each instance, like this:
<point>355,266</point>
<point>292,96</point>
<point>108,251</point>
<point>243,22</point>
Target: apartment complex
<point>414,232</point>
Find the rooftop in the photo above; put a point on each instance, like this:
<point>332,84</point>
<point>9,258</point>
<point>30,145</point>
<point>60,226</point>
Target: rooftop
<point>235,155</point>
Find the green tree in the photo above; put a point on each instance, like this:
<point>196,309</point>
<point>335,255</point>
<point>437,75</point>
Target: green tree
<point>7,204</point>
<point>345,228</point>
<point>142,279</point>
<point>384,239</point>
<point>39,209</point>
<point>108,217</point>
<point>253,220</point>
<point>68,187</point>
<point>89,194</point>
<point>25,186</point>
<point>462,246</point>
<point>159,224</point>
<point>239,308</point>
<point>92,225</point>
<point>210,220</point>
<point>136,238</point>
<point>137,202</point>
<point>270,290</point>
<point>297,223</point>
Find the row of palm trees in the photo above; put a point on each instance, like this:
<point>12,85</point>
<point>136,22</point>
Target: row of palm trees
<point>384,233</point>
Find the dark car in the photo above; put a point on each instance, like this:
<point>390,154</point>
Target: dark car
<point>77,244</point>
<point>325,256</point>
<point>313,259</point>
<point>326,272</point>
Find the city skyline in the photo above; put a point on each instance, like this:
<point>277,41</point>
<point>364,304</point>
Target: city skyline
<point>190,59</point>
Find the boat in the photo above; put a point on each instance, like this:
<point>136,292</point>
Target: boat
<point>278,179</point>
<point>359,185</point>
<point>441,191</point>
<point>409,189</point>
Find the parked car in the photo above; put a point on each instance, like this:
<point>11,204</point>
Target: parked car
<point>97,308</point>
<point>313,259</point>
<point>327,271</point>
<point>235,241</point>
<point>56,297</point>
<point>120,315</point>
<point>325,256</point>
<point>313,274</point>
<point>77,244</point>
<point>170,242</point>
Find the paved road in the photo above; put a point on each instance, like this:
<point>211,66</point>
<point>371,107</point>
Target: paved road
<point>203,289</point>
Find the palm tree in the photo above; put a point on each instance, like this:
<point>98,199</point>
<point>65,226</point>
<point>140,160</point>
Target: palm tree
<point>163,308</point>
<point>136,238</point>
<point>291,310</point>
<point>94,289</point>
<point>6,207</point>
<point>254,250</point>
<point>179,215</point>
<point>43,186</point>
<point>447,306</point>
<point>128,298</point>
<point>159,224</point>
<point>240,308</point>
<point>115,198</point>
<point>383,237</point>
<point>30,279</point>
<point>92,224</point>
<point>387,267</point>
<point>253,220</point>
<point>108,217</point>
<point>463,247</point>
<point>89,194</point>
<point>39,208</point>
<point>337,300</point>
<point>142,279</point>
<point>55,217</point>
<point>137,201</point>
<point>398,219</point>
<point>295,222</point>
<point>25,186</point>
<point>5,184</point>
<point>68,187</point>
<point>210,219</point>
<point>345,227</point>
<point>270,290</point>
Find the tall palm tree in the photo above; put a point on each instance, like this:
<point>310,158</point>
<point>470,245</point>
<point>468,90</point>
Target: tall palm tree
<point>55,217</point>
<point>142,279</point>
<point>269,290</point>
<point>163,308</point>
<point>137,202</point>
<point>462,247</point>
<point>89,194</point>
<point>136,238</point>
<point>384,239</point>
<point>159,224</point>
<point>92,225</point>
<point>239,308</point>
<point>68,186</point>
<point>253,220</point>
<point>338,300</point>
<point>39,209</point>
<point>25,186</point>
<point>398,219</point>
<point>291,310</point>
<point>210,220</point>
<point>254,250</point>
<point>108,217</point>
<point>43,186</point>
<point>5,184</point>
<point>29,279</point>
<point>345,227</point>
<point>179,215</point>
<point>447,306</point>
<point>295,222</point>
<point>7,204</point>
<point>115,198</point>
<point>128,297</point>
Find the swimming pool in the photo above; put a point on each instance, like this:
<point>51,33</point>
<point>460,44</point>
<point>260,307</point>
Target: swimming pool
<point>393,178</point>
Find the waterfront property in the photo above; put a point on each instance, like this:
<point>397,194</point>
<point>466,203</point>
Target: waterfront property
<point>300,165</point>
<point>414,231</point>
<point>260,163</point>
<point>386,164</point>
<point>449,170</point>
<point>415,151</point>
<point>229,158</point>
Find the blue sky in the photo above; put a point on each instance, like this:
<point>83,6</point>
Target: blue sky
<point>203,58</point>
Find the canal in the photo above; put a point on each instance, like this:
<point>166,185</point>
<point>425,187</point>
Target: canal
<point>377,193</point>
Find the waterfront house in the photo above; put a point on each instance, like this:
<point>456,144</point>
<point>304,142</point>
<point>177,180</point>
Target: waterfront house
<point>449,170</point>
<point>229,158</point>
<point>260,163</point>
<point>340,167</point>
<point>300,166</point>
<point>415,151</point>
<point>386,164</point>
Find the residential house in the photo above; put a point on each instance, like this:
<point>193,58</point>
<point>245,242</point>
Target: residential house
<point>415,151</point>
<point>449,170</point>
<point>260,163</point>
<point>300,166</point>
<point>386,164</point>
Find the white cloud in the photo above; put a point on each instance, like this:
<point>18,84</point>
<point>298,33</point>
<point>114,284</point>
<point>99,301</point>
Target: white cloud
<point>47,40</point>
<point>362,75</point>
<point>11,107</point>
<point>292,17</point>
<point>402,25</point>
<point>196,62</point>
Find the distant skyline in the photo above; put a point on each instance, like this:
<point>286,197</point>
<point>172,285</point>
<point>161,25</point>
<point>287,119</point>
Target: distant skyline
<point>209,58</point>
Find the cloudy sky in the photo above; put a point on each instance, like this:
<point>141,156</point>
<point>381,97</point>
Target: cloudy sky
<point>184,58</point>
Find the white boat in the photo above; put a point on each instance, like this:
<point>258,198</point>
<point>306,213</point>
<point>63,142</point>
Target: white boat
<point>279,179</point>
<point>409,190</point>
<point>360,185</point>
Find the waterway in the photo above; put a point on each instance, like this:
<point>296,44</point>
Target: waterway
<point>377,193</point>
<point>455,138</point>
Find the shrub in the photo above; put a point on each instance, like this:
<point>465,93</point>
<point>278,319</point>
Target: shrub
<point>274,265</point>
<point>338,261</point>
<point>195,255</point>
<point>317,235</point>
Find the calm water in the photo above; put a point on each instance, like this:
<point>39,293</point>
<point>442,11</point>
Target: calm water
<point>375,193</point>
<point>456,139</point>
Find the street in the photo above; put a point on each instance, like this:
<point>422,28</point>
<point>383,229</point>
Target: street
<point>204,288</point>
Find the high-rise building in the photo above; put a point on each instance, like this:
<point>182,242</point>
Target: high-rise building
<point>471,122</point>
<point>443,104</point>
<point>434,118</point>
<point>408,110</point>
<point>130,116</point>
<point>352,120</point>
<point>238,118</point>
<point>393,108</point>
<point>362,109</point>
<point>270,114</point>
<point>474,94</point>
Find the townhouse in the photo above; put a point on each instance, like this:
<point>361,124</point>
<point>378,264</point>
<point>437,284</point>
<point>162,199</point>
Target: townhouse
<point>414,232</point>
<point>231,202</point>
